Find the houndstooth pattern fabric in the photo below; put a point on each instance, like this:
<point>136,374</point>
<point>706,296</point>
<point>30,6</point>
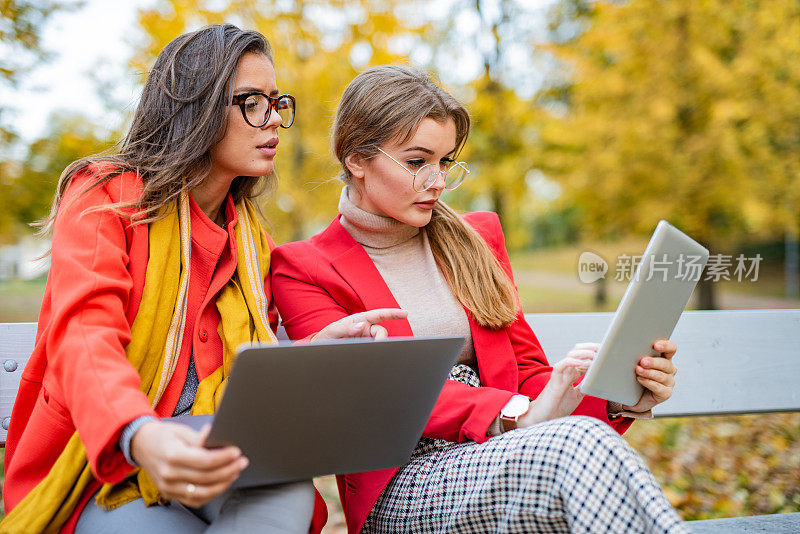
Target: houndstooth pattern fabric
<point>573,474</point>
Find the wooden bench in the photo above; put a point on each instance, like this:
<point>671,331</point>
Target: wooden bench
<point>730,362</point>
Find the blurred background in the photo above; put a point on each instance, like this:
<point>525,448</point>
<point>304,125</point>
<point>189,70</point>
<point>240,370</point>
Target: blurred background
<point>592,120</point>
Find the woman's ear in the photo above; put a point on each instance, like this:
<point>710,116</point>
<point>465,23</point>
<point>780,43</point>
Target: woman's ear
<point>355,163</point>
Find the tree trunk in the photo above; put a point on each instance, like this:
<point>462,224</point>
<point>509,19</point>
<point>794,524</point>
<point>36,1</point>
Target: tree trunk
<point>600,293</point>
<point>791,269</point>
<point>706,295</point>
<point>298,214</point>
<point>497,200</point>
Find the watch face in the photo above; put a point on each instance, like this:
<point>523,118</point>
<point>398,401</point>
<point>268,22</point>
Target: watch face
<point>517,406</point>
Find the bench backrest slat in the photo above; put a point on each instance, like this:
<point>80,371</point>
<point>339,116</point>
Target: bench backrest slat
<point>16,345</point>
<point>729,362</point>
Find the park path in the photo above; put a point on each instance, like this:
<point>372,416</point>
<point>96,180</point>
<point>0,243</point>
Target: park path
<point>726,299</point>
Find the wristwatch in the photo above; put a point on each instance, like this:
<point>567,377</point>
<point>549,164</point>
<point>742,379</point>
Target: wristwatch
<point>516,407</point>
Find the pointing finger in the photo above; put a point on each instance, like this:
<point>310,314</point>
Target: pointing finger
<point>589,346</point>
<point>582,354</point>
<point>381,314</point>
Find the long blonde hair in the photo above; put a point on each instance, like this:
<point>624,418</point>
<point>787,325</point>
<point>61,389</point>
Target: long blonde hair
<point>181,115</point>
<point>388,102</point>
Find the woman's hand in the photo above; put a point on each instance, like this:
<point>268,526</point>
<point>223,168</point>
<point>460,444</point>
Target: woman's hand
<point>363,324</point>
<point>182,469</point>
<point>560,397</point>
<point>657,375</point>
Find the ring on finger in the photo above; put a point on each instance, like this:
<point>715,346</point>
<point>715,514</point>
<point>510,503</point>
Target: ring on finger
<point>191,489</point>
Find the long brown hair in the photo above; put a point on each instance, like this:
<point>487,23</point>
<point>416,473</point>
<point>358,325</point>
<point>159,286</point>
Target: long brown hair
<point>181,115</point>
<point>388,102</point>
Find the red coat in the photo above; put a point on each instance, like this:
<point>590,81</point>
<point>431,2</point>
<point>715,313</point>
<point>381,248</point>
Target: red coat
<point>78,376</point>
<point>330,276</point>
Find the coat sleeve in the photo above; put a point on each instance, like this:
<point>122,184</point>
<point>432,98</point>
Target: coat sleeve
<point>88,369</point>
<point>306,305</point>
<point>534,369</point>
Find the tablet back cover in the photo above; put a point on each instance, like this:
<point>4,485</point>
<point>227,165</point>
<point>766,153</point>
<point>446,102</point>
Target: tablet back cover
<point>660,288</point>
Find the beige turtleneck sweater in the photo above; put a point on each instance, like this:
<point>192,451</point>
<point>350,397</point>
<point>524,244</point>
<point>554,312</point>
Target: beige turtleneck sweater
<point>403,257</point>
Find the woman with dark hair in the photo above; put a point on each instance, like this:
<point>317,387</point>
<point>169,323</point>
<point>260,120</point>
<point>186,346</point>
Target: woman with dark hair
<point>157,275</point>
<point>512,445</point>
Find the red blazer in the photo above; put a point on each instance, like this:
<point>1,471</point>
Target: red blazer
<point>330,276</point>
<point>78,376</point>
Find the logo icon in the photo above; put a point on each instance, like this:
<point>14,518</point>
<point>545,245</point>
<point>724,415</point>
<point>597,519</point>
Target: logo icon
<point>591,267</point>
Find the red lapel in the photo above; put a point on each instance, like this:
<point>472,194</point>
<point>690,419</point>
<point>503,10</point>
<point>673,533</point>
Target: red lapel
<point>353,264</point>
<point>492,348</point>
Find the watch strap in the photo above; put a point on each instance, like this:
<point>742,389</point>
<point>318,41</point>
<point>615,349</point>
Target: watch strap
<point>508,423</point>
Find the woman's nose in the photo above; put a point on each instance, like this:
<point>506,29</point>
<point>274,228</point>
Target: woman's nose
<point>439,178</point>
<point>274,119</point>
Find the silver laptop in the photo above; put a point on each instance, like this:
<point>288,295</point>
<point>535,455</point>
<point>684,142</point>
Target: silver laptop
<point>343,406</point>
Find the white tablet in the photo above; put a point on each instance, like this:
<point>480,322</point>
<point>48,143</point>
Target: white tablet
<point>658,292</point>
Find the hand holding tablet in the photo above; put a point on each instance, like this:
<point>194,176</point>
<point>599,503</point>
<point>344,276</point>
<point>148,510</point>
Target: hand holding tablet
<point>559,397</point>
<point>657,375</point>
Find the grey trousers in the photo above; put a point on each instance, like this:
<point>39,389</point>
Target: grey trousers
<point>281,508</point>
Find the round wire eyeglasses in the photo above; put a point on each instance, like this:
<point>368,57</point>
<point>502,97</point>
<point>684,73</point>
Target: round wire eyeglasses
<point>453,173</point>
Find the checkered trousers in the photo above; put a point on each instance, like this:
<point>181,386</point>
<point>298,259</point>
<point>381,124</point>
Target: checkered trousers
<point>573,474</point>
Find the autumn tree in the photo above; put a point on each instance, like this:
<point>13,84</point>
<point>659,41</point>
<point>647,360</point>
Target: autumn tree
<point>679,110</point>
<point>318,48</point>
<point>500,155</point>
<point>487,51</point>
<point>70,137</point>
<point>21,25</point>
<point>8,169</point>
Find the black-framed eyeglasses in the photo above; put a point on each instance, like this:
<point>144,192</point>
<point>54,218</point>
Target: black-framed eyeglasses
<point>257,107</point>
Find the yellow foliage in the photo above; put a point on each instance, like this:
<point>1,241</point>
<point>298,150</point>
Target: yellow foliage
<point>29,191</point>
<point>312,63</point>
<point>681,110</point>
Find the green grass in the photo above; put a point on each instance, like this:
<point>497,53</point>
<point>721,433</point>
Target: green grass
<point>564,260</point>
<point>537,299</point>
<point>770,283</point>
<point>20,300</point>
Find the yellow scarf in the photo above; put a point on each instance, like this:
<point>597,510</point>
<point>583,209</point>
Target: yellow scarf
<point>156,336</point>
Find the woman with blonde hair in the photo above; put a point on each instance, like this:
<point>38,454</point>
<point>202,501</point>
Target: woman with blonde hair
<point>511,445</point>
<point>158,269</point>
